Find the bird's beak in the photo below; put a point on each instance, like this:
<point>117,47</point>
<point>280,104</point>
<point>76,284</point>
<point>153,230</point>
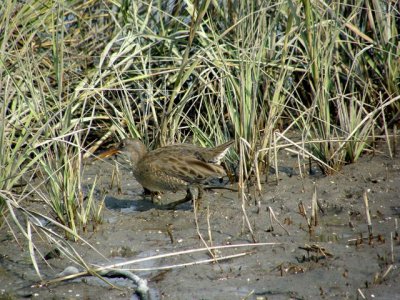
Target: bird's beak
<point>108,153</point>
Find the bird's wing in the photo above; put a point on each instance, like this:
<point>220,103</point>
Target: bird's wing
<point>184,166</point>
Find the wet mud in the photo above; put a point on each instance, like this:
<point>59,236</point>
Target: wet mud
<point>336,259</point>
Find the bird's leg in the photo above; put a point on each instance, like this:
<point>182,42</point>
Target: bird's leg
<point>172,205</point>
<point>197,201</point>
<point>200,192</point>
<point>189,197</point>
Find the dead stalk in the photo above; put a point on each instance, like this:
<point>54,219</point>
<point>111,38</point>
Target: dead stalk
<point>302,210</point>
<point>196,220</point>
<point>385,127</point>
<point>256,171</point>
<point>394,139</point>
<point>276,159</point>
<point>268,162</point>
<point>241,185</point>
<point>386,273</point>
<point>113,178</point>
<point>300,166</point>
<point>210,239</point>
<point>367,214</point>
<point>272,218</point>
<point>361,294</point>
<point>118,178</point>
<point>246,218</point>
<point>391,248</point>
<point>314,208</point>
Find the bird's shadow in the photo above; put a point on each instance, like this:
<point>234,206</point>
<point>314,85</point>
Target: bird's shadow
<point>139,205</point>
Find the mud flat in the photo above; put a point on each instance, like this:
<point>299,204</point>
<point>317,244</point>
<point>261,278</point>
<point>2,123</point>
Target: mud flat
<point>337,259</point>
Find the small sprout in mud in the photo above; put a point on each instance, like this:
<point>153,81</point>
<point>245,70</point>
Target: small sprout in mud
<point>169,232</point>
<point>289,268</point>
<point>288,221</point>
<point>367,284</point>
<point>345,274</point>
<point>385,259</point>
<point>97,213</point>
<point>360,239</point>
<point>351,225</point>
<point>313,220</point>
<point>380,238</point>
<point>302,209</point>
<point>356,215</point>
<point>380,215</point>
<point>321,252</point>
<point>377,279</point>
<point>396,236</point>
<point>377,238</point>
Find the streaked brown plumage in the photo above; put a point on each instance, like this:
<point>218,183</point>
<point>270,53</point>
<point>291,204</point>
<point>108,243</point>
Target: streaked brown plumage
<point>174,167</point>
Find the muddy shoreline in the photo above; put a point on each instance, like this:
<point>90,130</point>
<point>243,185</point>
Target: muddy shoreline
<point>348,265</point>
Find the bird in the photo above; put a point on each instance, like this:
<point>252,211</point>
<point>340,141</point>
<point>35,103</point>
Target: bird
<point>174,167</point>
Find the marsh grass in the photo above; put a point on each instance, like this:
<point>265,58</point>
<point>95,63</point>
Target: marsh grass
<point>17,158</point>
<point>73,73</point>
<point>62,188</point>
<point>37,227</point>
<point>341,79</point>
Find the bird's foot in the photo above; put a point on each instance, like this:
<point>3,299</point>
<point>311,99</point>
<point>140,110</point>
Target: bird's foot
<point>173,205</point>
<point>154,196</point>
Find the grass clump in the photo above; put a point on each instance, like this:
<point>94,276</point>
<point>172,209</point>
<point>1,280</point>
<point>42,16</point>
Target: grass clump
<point>43,125</point>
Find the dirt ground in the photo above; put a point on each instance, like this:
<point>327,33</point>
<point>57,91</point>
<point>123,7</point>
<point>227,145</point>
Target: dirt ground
<point>348,264</point>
